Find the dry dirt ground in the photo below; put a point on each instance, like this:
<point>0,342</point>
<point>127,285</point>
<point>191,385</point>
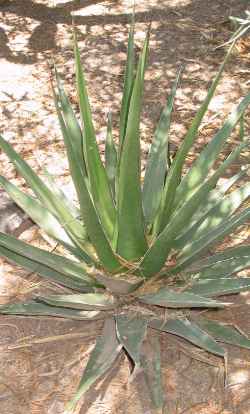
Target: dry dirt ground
<point>41,360</point>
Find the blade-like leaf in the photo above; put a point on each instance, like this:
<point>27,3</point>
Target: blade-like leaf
<point>223,264</point>
<point>151,363</point>
<point>159,250</point>
<point>210,201</point>
<point>221,259</point>
<point>218,233</point>
<point>131,241</point>
<point>175,171</point>
<point>131,332</point>
<point>72,282</point>
<point>223,209</point>
<point>214,287</point>
<point>157,163</point>
<point>88,301</point>
<point>88,210</point>
<point>33,308</point>
<point>38,213</point>
<point>208,156</point>
<point>75,211</point>
<point>110,157</point>
<point>189,331</point>
<point>61,265</point>
<point>48,198</point>
<point>224,333</point>
<point>74,139</point>
<point>103,356</point>
<point>99,184</point>
<point>171,299</point>
<point>128,84</point>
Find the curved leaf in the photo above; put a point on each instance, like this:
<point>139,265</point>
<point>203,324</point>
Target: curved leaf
<point>215,235</point>
<point>87,301</point>
<point>219,287</point>
<point>161,247</point>
<point>33,308</point>
<point>103,356</point>
<point>189,331</point>
<point>224,333</point>
<point>40,261</point>
<point>171,299</point>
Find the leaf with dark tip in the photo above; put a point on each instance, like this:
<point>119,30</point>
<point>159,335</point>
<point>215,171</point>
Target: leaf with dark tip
<point>189,331</point>
<point>33,308</point>
<point>118,286</point>
<point>171,299</point>
<point>131,332</point>
<point>103,356</point>
<point>88,301</point>
<point>219,287</point>
<point>224,333</point>
<point>151,364</point>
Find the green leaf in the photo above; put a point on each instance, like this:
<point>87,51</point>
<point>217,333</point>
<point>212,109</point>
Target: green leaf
<point>131,332</point>
<point>189,331</point>
<point>171,299</point>
<point>38,260</point>
<point>131,241</point>
<point>218,233</point>
<point>110,157</point>
<point>157,164</point>
<point>223,264</point>
<point>224,333</point>
<point>103,356</point>
<point>72,135</point>
<point>210,201</point>
<point>75,283</point>
<point>223,209</point>
<point>99,184</point>
<point>49,199</point>
<point>38,213</point>
<point>214,287</point>
<point>33,308</point>
<point>161,247</point>
<point>174,175</point>
<point>128,84</point>
<point>75,211</point>
<point>86,301</point>
<point>151,363</point>
<point>201,167</point>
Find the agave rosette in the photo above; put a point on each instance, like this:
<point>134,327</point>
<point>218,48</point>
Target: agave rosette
<point>123,233</point>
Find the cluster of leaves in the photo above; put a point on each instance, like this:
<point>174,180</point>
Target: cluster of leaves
<point>123,234</point>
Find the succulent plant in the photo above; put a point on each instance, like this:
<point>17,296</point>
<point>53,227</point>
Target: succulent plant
<point>135,247</point>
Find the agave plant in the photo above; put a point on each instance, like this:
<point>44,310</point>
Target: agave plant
<point>135,247</point>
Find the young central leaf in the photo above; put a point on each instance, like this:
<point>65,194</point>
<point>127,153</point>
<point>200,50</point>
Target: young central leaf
<point>131,242</point>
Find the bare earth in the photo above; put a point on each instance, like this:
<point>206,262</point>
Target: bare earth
<point>41,360</point>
